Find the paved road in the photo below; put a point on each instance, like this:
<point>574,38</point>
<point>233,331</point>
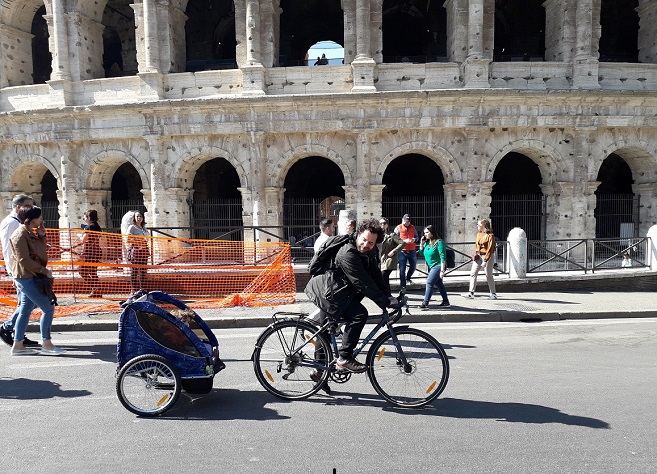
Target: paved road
<point>559,396</point>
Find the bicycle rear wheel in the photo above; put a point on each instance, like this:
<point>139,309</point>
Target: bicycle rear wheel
<point>425,376</point>
<point>285,370</point>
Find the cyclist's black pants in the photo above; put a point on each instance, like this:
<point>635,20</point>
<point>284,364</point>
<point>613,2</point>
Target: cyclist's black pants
<point>355,317</point>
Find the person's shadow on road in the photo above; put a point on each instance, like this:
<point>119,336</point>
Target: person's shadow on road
<point>26,389</point>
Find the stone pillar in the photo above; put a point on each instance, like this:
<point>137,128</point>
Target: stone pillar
<point>96,199</point>
<point>159,202</point>
<point>647,193</point>
<point>652,260</point>
<point>373,207</point>
<point>258,172</point>
<point>350,196</point>
<point>344,217</point>
<point>150,37</point>
<point>270,32</point>
<point>274,206</point>
<point>349,18</point>
<point>476,66</point>
<point>647,11</point>
<point>172,52</point>
<point>456,212</point>
<point>58,43</point>
<point>362,67</point>
<point>560,30</point>
<point>457,30</point>
<point>376,30</point>
<point>585,67</point>
<point>362,177</point>
<point>559,197</point>
<point>517,254</point>
<point>584,210</point>
<point>86,47</point>
<point>253,72</point>
<point>70,208</point>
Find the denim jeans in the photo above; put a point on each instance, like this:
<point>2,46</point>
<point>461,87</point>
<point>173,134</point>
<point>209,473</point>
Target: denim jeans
<point>30,298</point>
<point>11,322</point>
<point>433,278</point>
<point>409,256</point>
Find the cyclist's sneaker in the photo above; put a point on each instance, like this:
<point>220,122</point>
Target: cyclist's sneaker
<point>316,376</point>
<point>351,365</point>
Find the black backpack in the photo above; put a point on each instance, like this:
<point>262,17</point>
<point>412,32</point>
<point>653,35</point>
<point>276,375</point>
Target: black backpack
<point>324,258</point>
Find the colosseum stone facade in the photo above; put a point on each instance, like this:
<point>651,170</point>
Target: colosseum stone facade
<point>541,114</point>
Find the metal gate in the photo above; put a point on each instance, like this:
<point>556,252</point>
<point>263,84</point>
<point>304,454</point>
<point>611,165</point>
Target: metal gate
<point>218,218</point>
<point>424,211</point>
<point>50,212</point>
<point>526,211</point>
<point>616,215</point>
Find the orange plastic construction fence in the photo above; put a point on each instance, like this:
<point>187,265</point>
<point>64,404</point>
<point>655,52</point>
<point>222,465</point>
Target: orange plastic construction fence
<point>91,268</point>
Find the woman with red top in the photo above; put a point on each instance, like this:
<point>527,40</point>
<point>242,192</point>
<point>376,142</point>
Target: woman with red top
<point>484,251</point>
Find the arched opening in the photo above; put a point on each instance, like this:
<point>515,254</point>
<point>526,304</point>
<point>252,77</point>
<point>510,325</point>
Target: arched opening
<point>414,185</point>
<point>313,191</point>
<point>49,201</point>
<point>519,30</point>
<point>617,209</point>
<point>126,193</point>
<point>325,53</point>
<point>210,35</point>
<point>41,56</point>
<point>119,40</point>
<point>414,31</point>
<point>112,57</point>
<point>619,27</point>
<point>517,199</point>
<point>217,202</point>
<point>306,22</point>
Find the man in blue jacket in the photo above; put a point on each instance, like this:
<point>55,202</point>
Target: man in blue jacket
<point>355,275</point>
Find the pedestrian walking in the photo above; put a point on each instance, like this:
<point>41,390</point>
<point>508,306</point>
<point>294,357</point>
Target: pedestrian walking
<point>408,255</point>
<point>483,258</point>
<point>7,227</point>
<point>91,252</point>
<point>390,247</point>
<point>433,249</point>
<point>33,280</point>
<point>326,228</point>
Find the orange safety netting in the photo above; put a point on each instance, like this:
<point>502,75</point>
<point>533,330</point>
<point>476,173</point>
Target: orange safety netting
<point>91,268</point>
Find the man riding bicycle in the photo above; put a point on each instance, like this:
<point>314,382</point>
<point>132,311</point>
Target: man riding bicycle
<point>338,292</point>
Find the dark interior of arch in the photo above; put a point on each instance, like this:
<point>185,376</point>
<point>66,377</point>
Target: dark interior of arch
<point>119,39</point>
<point>306,22</point>
<point>216,179</point>
<point>314,177</point>
<point>126,183</point>
<point>519,30</point>
<point>41,57</point>
<point>112,57</point>
<point>615,176</point>
<point>619,23</point>
<point>414,31</point>
<point>210,35</point>
<point>517,199</point>
<point>49,203</point>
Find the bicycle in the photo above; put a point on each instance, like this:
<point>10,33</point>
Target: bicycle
<point>406,366</point>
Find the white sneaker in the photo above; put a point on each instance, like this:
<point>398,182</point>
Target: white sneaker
<point>492,296</point>
<point>468,295</point>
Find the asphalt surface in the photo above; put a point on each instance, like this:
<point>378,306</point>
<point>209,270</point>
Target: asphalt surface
<point>517,301</point>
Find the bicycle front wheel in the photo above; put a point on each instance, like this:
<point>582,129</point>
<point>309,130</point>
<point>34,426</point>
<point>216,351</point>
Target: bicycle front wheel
<point>423,378</point>
<point>289,362</point>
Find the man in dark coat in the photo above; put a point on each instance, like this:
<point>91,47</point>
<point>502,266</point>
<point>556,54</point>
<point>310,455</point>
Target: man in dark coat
<point>339,291</point>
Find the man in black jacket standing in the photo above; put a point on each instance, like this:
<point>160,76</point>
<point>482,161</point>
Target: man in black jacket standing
<point>339,292</point>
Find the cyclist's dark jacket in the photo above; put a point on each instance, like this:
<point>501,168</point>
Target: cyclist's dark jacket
<point>356,276</point>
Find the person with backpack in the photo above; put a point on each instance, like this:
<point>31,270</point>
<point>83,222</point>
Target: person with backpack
<point>346,270</point>
<point>435,255</point>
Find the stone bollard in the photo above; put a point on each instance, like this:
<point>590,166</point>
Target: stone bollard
<point>517,253</point>
<point>652,234</point>
<point>343,220</point>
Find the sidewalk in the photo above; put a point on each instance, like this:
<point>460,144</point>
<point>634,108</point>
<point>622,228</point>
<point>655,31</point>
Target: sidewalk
<point>510,307</point>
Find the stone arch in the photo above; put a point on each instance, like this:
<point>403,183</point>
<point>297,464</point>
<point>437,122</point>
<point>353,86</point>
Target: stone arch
<point>190,161</point>
<point>545,156</point>
<point>282,167</point>
<point>443,158</point>
<point>26,175</point>
<point>104,164</point>
<point>636,154</point>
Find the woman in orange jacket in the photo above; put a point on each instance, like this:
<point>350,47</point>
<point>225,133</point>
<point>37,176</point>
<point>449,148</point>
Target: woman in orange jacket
<point>484,252</point>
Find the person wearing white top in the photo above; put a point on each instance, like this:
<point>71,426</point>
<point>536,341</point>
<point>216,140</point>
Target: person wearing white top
<point>326,227</point>
<point>7,227</point>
